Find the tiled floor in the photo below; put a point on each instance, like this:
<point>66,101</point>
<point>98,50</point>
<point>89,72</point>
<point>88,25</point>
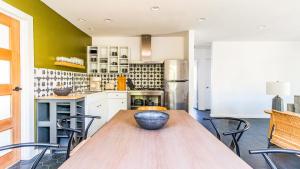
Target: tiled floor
<point>254,138</point>
<point>48,162</point>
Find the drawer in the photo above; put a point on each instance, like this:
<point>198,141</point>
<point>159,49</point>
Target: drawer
<point>116,95</point>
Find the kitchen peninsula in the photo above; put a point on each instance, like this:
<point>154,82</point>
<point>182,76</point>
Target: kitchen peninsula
<point>51,108</point>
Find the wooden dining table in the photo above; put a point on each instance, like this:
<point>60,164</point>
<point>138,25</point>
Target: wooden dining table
<point>182,144</point>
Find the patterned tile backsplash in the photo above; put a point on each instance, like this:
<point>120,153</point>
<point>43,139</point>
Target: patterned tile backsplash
<point>147,76</point>
<point>45,80</point>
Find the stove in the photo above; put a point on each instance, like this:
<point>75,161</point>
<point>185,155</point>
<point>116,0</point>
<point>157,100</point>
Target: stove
<point>142,97</point>
<point>147,89</point>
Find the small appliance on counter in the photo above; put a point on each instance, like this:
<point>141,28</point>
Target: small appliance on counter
<point>95,84</point>
<point>121,83</point>
<point>130,84</point>
<point>110,85</point>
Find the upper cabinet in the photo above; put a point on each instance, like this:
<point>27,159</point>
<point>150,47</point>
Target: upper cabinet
<point>108,59</point>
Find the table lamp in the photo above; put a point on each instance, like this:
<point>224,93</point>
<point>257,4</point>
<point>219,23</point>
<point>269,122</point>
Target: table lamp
<point>278,89</point>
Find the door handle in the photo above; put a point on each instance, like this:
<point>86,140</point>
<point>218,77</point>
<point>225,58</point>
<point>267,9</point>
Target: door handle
<point>17,89</point>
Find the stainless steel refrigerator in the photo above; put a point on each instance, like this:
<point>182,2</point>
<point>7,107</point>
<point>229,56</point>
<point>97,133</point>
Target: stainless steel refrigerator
<point>176,84</point>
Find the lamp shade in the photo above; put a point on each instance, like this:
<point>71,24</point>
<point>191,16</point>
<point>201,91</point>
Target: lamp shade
<point>278,88</point>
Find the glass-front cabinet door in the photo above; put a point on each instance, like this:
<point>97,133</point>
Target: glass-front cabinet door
<point>9,88</point>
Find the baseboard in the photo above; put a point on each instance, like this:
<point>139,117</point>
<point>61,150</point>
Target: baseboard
<point>262,116</point>
<point>201,110</point>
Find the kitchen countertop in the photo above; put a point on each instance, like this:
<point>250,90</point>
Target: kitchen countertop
<point>145,91</point>
<point>75,96</point>
<point>116,91</point>
<point>79,95</point>
<point>72,96</point>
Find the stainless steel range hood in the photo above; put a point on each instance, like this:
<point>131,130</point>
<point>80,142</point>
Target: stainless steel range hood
<point>146,46</point>
<point>146,52</point>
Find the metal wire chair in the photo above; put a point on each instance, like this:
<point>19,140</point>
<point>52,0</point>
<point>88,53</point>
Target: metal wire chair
<point>37,158</point>
<point>236,134</point>
<point>265,153</point>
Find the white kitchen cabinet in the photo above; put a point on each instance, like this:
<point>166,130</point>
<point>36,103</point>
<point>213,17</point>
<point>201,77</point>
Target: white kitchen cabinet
<point>96,105</point>
<point>116,101</point>
<point>108,59</point>
<point>104,104</point>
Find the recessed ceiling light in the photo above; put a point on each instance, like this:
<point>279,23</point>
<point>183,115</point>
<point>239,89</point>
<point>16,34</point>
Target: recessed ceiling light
<point>81,20</point>
<point>155,8</point>
<point>107,20</point>
<point>201,19</point>
<point>262,27</point>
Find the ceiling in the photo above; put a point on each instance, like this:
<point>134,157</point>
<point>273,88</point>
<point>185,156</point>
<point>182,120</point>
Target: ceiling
<point>226,20</point>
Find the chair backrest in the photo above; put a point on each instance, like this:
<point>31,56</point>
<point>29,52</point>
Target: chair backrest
<point>70,132</point>
<point>151,108</point>
<point>265,153</point>
<point>239,129</point>
<point>81,117</point>
<point>92,118</point>
<point>37,158</point>
<point>286,130</point>
<point>236,134</point>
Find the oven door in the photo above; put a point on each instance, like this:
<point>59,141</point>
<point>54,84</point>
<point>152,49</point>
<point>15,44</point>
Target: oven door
<point>145,98</point>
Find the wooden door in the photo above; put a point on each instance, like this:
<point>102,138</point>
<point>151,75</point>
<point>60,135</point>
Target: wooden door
<point>9,91</point>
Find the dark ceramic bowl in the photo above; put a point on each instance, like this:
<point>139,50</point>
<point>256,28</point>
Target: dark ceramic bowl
<point>62,91</point>
<point>151,120</point>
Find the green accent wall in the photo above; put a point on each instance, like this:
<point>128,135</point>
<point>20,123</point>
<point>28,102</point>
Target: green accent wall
<point>53,35</point>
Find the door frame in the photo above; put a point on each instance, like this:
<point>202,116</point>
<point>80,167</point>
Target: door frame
<point>27,74</point>
<point>202,55</point>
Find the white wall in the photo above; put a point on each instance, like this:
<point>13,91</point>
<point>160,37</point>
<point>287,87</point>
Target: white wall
<point>240,71</point>
<point>190,55</point>
<point>167,48</point>
<point>162,47</point>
